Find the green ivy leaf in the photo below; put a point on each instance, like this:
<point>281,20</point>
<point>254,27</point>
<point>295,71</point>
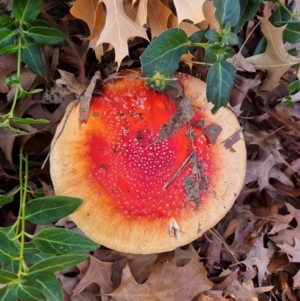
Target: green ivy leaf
<point>33,255</point>
<point>50,209</point>
<point>227,11</point>
<point>164,53</point>
<point>11,266</point>
<point>22,121</point>
<point>291,33</point>
<point>281,14</point>
<point>6,198</point>
<point>32,57</point>
<point>261,46</point>
<point>8,293</point>
<point>26,10</point>
<point>63,241</point>
<point>47,283</point>
<point>248,10</point>
<point>219,84</point>
<point>293,86</point>
<point>29,293</point>
<point>7,277</point>
<point>6,20</point>
<point>8,248</point>
<point>56,263</point>
<point>213,35</point>
<point>46,36</point>
<point>6,37</point>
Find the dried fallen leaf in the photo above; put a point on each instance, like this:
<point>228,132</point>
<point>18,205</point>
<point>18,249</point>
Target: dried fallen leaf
<point>167,282</point>
<point>118,29</point>
<point>158,15</point>
<point>183,114</point>
<point>189,9</point>
<point>212,132</point>
<point>275,60</point>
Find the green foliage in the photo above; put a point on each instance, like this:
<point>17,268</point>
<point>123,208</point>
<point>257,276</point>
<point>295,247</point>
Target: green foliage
<point>23,34</point>
<point>161,58</point>
<point>27,268</point>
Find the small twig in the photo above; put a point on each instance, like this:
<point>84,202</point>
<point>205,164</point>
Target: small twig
<point>61,131</point>
<point>178,171</point>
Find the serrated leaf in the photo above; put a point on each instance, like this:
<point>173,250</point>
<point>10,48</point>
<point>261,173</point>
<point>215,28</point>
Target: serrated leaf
<point>28,293</point>
<point>56,263</point>
<point>26,10</point>
<point>8,248</point>
<point>6,198</point>
<point>47,283</point>
<point>164,53</point>
<point>50,209</point>
<point>219,82</point>
<point>22,121</point>
<point>227,11</point>
<point>8,293</point>
<point>7,277</point>
<point>248,8</point>
<point>63,241</point>
<point>32,57</point>
<point>46,36</point>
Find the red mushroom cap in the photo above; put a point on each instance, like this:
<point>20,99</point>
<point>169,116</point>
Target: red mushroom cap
<point>140,195</point>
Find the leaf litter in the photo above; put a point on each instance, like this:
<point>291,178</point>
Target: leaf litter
<point>253,252</point>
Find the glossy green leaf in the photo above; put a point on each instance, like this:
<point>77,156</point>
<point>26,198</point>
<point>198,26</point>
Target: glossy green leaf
<point>6,37</point>
<point>248,10</point>
<point>26,10</point>
<point>33,255</point>
<point>11,266</point>
<point>197,36</point>
<point>56,263</point>
<point>6,198</point>
<point>219,84</point>
<point>32,57</point>
<point>50,209</point>
<point>291,33</point>
<point>164,53</point>
<point>8,49</point>
<point>46,36</point>
<point>8,293</point>
<point>227,11</point>
<point>281,14</point>
<point>8,248</point>
<point>213,35</point>
<point>5,20</point>
<point>22,121</point>
<point>47,283</point>
<point>63,241</point>
<point>7,277</point>
<point>39,193</point>
<point>261,46</point>
<point>29,293</point>
<point>39,23</point>
<point>293,86</point>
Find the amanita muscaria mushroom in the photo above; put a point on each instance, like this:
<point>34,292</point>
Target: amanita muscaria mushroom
<point>140,195</point>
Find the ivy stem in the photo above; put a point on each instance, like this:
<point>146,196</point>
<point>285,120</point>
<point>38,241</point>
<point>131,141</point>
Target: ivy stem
<point>21,217</point>
<point>11,113</point>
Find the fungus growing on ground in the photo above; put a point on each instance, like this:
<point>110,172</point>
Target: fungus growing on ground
<point>145,187</point>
